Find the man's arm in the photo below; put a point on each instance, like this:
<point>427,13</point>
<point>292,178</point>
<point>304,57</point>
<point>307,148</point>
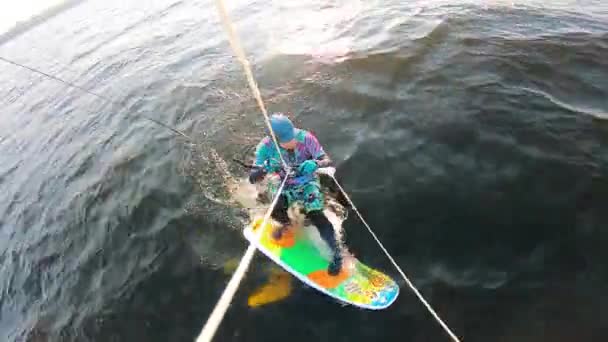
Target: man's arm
<point>261,154</point>
<point>258,172</point>
<point>316,151</point>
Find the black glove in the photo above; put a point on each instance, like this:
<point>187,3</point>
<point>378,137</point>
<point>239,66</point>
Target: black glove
<point>256,175</point>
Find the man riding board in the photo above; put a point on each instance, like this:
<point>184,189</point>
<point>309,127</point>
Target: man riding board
<point>304,154</point>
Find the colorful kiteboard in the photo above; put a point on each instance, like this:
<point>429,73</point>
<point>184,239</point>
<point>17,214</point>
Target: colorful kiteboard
<point>299,254</point>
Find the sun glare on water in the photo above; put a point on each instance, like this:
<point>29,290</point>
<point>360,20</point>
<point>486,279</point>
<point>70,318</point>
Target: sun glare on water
<point>305,30</point>
<point>12,12</point>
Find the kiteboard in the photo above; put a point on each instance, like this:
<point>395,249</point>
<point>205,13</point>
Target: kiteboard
<point>298,253</point>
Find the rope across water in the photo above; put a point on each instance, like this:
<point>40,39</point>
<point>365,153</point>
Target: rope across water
<point>218,312</point>
<point>405,278</point>
<point>223,303</point>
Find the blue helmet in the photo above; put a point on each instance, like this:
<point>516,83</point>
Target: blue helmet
<point>283,127</point>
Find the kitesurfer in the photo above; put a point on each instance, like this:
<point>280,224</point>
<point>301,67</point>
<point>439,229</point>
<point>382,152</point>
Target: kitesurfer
<point>304,155</point>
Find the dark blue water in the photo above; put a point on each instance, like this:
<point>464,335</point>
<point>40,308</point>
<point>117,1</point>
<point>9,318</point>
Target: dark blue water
<point>472,135</point>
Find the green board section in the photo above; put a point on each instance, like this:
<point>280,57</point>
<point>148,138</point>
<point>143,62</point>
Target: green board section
<point>304,257</point>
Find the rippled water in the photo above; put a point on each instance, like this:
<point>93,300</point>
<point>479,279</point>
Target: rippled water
<point>472,135</point>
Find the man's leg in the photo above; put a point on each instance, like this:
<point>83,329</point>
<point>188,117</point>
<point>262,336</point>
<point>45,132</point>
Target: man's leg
<point>279,213</point>
<point>313,205</point>
<point>326,230</point>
